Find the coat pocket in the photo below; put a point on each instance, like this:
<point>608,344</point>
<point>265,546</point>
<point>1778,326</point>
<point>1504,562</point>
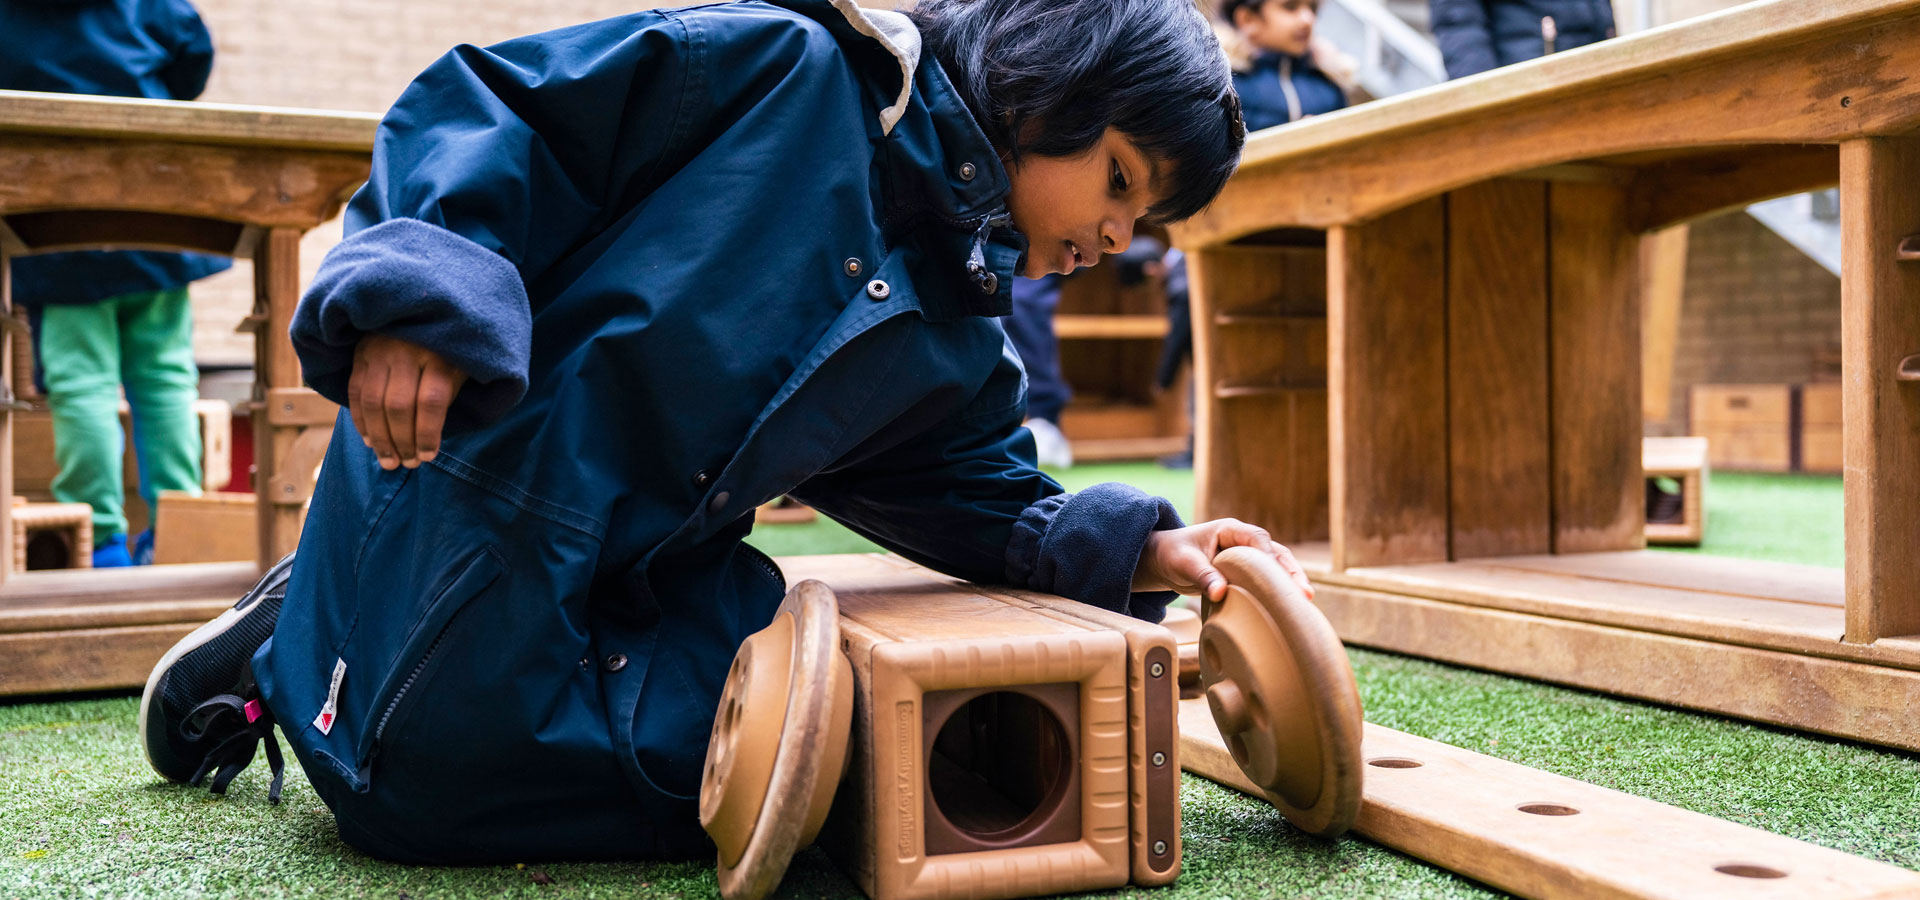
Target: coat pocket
<point>423,645</point>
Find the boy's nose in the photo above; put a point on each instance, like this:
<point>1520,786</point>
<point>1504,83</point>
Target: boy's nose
<point>1116,236</point>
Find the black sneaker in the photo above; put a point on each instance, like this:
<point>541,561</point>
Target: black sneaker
<point>201,713</point>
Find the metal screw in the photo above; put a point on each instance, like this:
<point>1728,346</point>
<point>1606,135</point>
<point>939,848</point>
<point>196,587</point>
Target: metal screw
<point>1157,670</point>
<point>1159,759</point>
<point>1159,848</point>
<point>1846,102</point>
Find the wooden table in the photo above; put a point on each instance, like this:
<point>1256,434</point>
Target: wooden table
<point>1418,341</point>
<point>97,172</point>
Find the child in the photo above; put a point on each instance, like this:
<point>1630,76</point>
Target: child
<point>651,272</point>
<point>1283,76</point>
<point>104,320</point>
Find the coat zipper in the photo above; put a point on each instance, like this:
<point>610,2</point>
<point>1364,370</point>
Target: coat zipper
<point>1286,87</point>
<point>419,667</point>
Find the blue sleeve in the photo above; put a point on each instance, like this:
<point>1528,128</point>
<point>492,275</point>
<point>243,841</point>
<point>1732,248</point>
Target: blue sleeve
<point>967,499</point>
<point>491,167</point>
<point>1465,35</point>
<point>189,49</point>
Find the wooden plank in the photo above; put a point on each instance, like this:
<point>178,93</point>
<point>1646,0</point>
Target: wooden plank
<point>73,588</point>
<point>1496,307</point>
<point>1598,493</point>
<point>1669,194</point>
<point>1106,449</point>
<point>299,406</point>
<point>1537,834</point>
<point>216,123</point>
<point>1663,285</point>
<point>84,660</point>
<point>1880,325</point>
<point>1845,699</point>
<point>1713,80</point>
<point>6,412</point>
<point>215,527</point>
<point>243,185</point>
<point>1387,402</point>
<point>278,475</point>
<point>1128,327</point>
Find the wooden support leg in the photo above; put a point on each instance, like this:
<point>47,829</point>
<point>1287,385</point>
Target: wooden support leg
<point>1497,369</point>
<point>1386,382</point>
<point>285,452</point>
<point>6,395</point>
<point>1880,326</point>
<point>1599,495</point>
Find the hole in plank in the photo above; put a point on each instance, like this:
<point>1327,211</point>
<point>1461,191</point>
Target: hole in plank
<point>1547,809</point>
<point>1749,870</point>
<point>1394,762</point>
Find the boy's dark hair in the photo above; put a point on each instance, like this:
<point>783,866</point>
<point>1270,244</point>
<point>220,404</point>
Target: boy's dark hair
<point>1060,72</point>
<point>1229,7</point>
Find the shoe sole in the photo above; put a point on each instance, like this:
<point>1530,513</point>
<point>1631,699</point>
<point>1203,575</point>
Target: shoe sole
<point>193,641</point>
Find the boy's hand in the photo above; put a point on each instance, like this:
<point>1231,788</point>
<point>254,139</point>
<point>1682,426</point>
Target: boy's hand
<point>398,395</point>
<point>1181,559</point>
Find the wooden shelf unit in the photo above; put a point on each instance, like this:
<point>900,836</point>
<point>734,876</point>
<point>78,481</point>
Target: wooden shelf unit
<point>1110,344</point>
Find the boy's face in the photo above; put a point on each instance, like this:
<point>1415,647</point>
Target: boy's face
<point>1074,208</point>
<point>1282,26</point>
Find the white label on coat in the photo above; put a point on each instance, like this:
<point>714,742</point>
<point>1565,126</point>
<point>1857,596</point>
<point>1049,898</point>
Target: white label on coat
<point>324,721</point>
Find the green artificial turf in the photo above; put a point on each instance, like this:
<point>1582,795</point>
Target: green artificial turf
<point>82,816</point>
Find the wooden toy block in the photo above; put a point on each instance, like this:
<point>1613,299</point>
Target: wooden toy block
<point>213,527</point>
<point>1010,744</point>
<point>998,743</point>
<point>1678,517</point>
<point>72,521</point>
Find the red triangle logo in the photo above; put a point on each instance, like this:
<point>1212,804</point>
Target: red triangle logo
<point>326,721</point>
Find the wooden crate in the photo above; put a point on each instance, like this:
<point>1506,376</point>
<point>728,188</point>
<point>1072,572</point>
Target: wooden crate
<point>1748,427</point>
<point>1820,429</point>
<point>73,522</point>
<point>215,527</point>
<point>1683,459</point>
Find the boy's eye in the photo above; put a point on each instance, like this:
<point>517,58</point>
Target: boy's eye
<point>1119,179</point>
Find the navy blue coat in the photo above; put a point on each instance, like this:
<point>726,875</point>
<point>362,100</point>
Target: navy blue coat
<point>1279,89</point>
<point>692,260</point>
<point>1477,35</point>
<point>123,48</point>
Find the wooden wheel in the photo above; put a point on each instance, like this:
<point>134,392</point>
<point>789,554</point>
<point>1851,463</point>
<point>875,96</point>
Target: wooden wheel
<point>1279,685</point>
<point>779,743</point>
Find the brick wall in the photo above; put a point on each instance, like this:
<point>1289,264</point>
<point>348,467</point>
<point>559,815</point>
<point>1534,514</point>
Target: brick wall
<point>1756,310</point>
<point>342,54</point>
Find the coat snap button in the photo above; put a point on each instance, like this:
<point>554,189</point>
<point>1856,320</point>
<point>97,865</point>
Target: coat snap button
<point>878,289</point>
<point>853,265</point>
<point>702,478</point>
<point>616,662</point>
<point>967,171</point>
<point>718,503</point>
<point>990,284</point>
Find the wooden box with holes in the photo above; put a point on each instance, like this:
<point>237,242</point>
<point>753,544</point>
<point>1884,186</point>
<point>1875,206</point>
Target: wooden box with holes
<point>943,739</point>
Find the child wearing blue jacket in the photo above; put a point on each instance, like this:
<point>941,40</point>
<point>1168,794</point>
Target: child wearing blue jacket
<point>612,287</point>
<point>1281,79</point>
<point>104,320</point>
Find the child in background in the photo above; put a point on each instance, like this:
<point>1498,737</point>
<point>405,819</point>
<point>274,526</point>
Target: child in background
<point>1281,73</point>
<point>647,274</point>
<point>111,319</point>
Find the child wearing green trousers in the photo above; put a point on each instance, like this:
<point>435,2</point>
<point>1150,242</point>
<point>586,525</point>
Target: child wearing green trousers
<point>108,319</point>
<point>88,351</point>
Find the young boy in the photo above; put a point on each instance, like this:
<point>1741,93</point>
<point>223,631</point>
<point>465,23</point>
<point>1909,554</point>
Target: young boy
<point>651,272</point>
<point>1282,79</point>
<point>104,320</point>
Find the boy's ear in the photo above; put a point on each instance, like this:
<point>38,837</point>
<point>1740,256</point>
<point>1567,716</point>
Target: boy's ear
<point>1245,17</point>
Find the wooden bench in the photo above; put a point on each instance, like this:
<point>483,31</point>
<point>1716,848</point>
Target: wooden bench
<point>1418,347</point>
<point>247,182</point>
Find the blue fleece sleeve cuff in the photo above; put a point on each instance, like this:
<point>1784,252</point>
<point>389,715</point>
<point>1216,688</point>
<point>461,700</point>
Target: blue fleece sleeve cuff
<point>423,284</point>
<point>1086,545</point>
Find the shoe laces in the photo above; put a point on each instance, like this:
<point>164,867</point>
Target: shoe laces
<point>239,724</point>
